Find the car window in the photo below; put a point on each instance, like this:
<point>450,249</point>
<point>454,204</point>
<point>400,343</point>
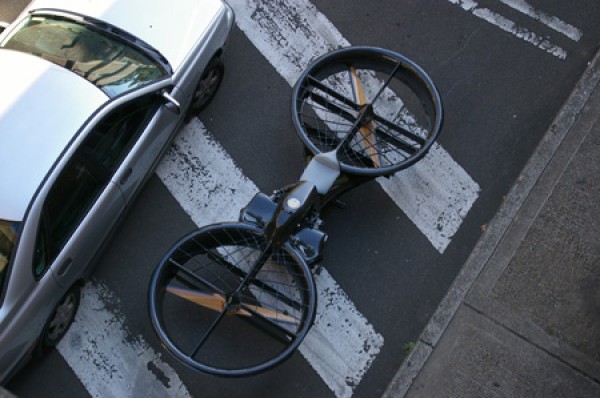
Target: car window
<point>111,64</point>
<point>72,195</point>
<point>40,253</point>
<point>8,236</point>
<point>112,138</point>
<point>87,173</point>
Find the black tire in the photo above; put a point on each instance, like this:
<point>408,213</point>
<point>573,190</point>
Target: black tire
<point>207,87</point>
<point>62,317</point>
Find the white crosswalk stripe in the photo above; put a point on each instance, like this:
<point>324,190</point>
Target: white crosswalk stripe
<point>107,359</point>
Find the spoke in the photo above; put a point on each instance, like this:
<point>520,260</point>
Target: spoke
<point>267,313</point>
<point>387,82</point>
<point>421,141</point>
<point>316,83</point>
<point>331,107</point>
<point>397,142</point>
<point>267,325</point>
<point>258,264</point>
<point>353,155</point>
<point>271,291</point>
<point>195,277</point>
<point>335,126</point>
<point>325,137</point>
<point>207,334</point>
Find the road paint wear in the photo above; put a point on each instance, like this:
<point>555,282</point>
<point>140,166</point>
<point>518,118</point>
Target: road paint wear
<point>107,359</point>
<point>523,33</point>
<point>549,20</point>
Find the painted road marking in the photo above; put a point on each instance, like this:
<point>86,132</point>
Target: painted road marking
<point>436,194</point>
<point>208,185</point>
<point>107,359</point>
<point>551,21</point>
<point>203,178</point>
<point>523,33</point>
<point>332,346</point>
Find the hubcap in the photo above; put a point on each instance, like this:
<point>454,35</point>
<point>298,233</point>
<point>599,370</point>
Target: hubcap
<point>62,318</point>
<point>206,88</point>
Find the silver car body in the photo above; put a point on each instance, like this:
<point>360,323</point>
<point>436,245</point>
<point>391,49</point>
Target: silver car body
<point>47,112</point>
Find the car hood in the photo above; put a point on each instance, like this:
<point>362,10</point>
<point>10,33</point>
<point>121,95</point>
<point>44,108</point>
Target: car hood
<point>171,27</point>
<point>42,107</point>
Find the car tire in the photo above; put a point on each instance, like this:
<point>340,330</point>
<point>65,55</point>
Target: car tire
<point>207,87</point>
<point>61,318</point>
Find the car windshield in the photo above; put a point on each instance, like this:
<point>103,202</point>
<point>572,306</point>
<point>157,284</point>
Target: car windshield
<point>8,235</point>
<point>111,64</point>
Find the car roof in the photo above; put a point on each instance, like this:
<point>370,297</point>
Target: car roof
<point>42,107</point>
<point>171,27</point>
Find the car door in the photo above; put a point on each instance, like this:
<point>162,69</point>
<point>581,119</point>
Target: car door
<point>161,118</point>
<point>76,217</point>
<point>85,203</point>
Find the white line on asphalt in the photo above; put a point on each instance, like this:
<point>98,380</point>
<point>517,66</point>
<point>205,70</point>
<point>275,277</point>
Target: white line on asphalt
<point>518,31</point>
<point>436,193</point>
<point>109,361</point>
<point>522,33</point>
<point>341,345</point>
<point>203,178</point>
<point>437,177</point>
<point>549,20</point>
<point>208,185</point>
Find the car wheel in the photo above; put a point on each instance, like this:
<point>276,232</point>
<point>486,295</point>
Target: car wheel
<point>207,86</point>
<point>61,318</point>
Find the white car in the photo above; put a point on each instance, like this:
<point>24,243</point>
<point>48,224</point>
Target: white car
<point>92,93</point>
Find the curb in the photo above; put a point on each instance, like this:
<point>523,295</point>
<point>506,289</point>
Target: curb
<point>497,229</point>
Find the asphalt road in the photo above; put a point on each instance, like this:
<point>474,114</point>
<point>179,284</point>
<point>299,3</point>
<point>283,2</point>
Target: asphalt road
<point>501,88</point>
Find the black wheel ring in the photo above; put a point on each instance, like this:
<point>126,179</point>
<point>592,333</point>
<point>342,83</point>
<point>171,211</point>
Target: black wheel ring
<point>419,80</point>
<point>154,296</point>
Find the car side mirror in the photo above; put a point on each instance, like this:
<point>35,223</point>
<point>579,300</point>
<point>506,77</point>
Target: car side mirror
<point>3,26</point>
<point>171,103</point>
